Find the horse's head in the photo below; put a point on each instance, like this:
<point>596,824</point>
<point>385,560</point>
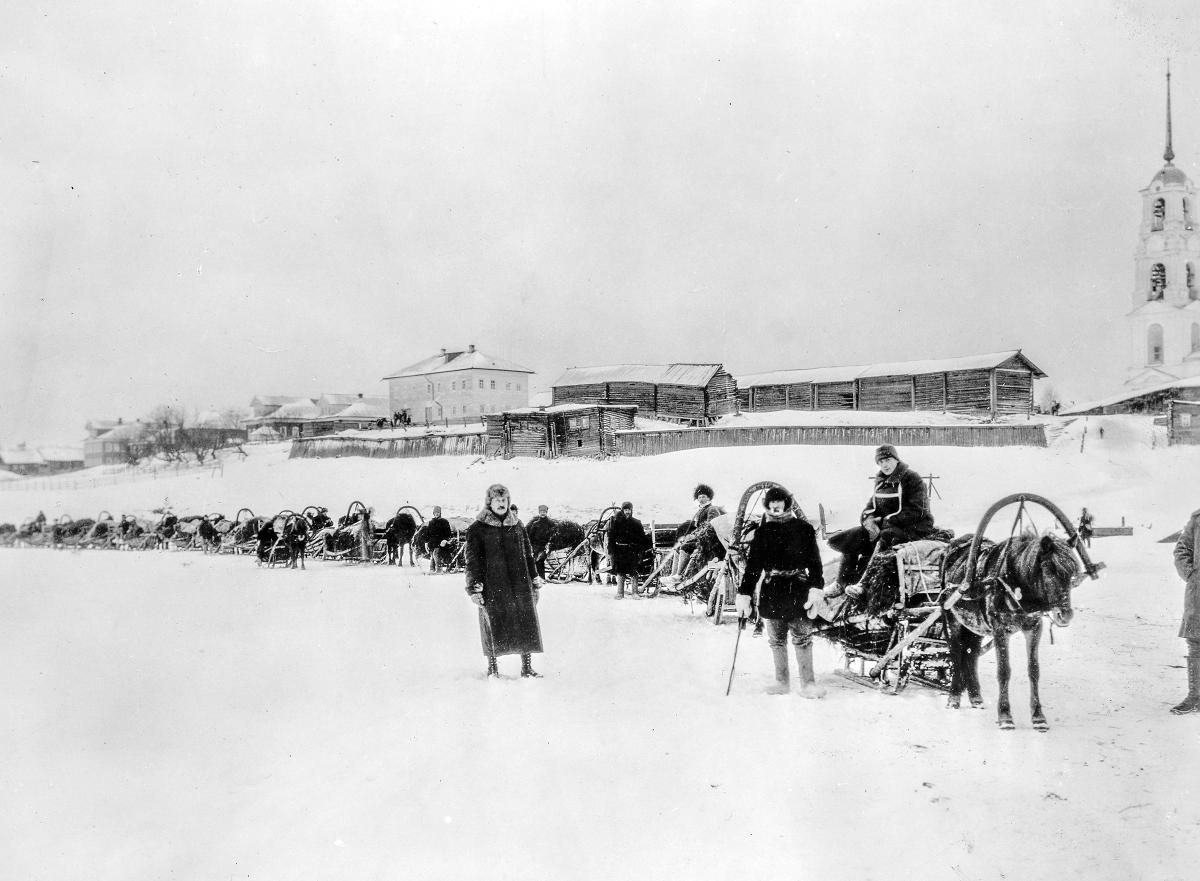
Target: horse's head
<point>1044,567</point>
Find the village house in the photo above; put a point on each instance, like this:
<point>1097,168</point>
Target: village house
<point>693,394</point>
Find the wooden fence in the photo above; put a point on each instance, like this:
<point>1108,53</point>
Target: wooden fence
<point>653,443</point>
<point>389,448</point>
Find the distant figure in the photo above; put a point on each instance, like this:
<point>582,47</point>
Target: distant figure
<point>1101,432</point>
<point>1054,408</point>
<point>1085,527</point>
<point>1187,564</point>
<point>438,533</point>
<point>539,530</point>
<point>627,546</point>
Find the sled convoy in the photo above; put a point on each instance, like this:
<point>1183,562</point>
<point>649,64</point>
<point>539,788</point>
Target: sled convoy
<point>924,613</point>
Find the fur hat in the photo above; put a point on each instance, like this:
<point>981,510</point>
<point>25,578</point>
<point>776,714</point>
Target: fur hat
<point>437,511</point>
<point>886,451</point>
<point>703,489</point>
<point>626,506</point>
<point>495,491</point>
<point>778,494</point>
<point>542,509</point>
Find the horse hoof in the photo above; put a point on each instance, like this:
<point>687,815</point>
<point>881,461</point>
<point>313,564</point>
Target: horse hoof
<point>1006,724</point>
<point>952,703</point>
<point>1041,725</point>
<point>977,703</point>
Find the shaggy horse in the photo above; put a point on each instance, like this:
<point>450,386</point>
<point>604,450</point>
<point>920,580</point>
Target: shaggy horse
<point>209,535</point>
<point>398,532</point>
<point>295,540</point>
<point>567,542</point>
<point>1015,583</point>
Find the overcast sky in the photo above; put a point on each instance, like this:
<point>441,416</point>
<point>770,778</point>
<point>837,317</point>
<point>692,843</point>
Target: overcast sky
<point>204,201</point>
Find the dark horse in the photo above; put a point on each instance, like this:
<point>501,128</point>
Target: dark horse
<point>295,539</point>
<point>398,532</point>
<point>1016,582</point>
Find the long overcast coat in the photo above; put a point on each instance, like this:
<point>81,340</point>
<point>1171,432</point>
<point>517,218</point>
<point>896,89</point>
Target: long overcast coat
<point>499,559</point>
<point>1187,563</point>
<point>627,544</point>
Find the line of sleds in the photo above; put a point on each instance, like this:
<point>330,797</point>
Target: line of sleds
<point>915,597</point>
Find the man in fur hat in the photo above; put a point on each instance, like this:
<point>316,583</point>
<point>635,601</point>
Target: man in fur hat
<point>503,582</point>
<point>438,534</point>
<point>689,542</point>
<point>898,511</point>
<point>784,555</point>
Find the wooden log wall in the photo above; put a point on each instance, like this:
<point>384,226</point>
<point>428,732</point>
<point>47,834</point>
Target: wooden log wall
<point>721,393</point>
<point>681,402</point>
<point>889,393</point>
<point>969,390</point>
<point>769,397</point>
<point>835,396</point>
<point>641,394</point>
<point>1014,391</point>
<point>592,393</point>
<point>389,448</point>
<point>652,443</point>
<point>800,396</point>
<point>527,436</point>
<point>743,396</point>
<point>929,391</point>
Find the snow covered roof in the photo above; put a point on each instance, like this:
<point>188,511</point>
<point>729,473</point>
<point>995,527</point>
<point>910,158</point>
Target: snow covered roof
<point>1130,394</point>
<point>893,368</point>
<point>656,374</point>
<point>559,409</point>
<point>363,409</point>
<point>8,475</point>
<point>213,419</point>
<point>448,362</point>
<point>303,408</point>
<point>61,454</point>
<point>264,433</point>
<point>126,431</point>
<point>21,457</point>
<point>274,400</point>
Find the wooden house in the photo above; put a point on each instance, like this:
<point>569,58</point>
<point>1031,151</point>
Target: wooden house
<point>560,430</point>
<point>694,394</point>
<point>996,384</point>
<point>1183,422</point>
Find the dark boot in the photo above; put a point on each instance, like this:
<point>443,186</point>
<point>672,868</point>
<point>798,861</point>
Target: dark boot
<point>1191,703</point>
<point>527,667</point>
<point>492,669</point>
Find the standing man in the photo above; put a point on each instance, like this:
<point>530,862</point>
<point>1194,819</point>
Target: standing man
<point>1187,564</point>
<point>784,554</point>
<point>898,511</point>
<point>503,582</point>
<point>539,530</point>
<point>627,545</point>
<point>437,539</point>
<point>1085,527</point>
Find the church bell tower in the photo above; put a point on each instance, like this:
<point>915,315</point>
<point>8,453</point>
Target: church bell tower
<point>1164,321</point>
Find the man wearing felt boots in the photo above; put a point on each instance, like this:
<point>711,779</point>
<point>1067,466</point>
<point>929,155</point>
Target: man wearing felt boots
<point>502,581</point>
<point>1187,564</point>
<point>784,554</point>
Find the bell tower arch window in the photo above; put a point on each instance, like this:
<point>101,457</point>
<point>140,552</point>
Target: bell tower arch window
<point>1187,213</point>
<point>1191,281</point>
<point>1154,344</point>
<point>1158,281</point>
<point>1158,214</point>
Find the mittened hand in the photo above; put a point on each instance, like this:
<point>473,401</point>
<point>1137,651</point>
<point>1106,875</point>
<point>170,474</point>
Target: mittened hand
<point>815,597</point>
<point>445,542</point>
<point>537,595</point>
<point>834,590</point>
<point>477,599</point>
<point>538,583</point>
<point>743,605</point>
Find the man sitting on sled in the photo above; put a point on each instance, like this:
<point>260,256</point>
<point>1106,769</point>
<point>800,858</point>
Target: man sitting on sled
<point>898,511</point>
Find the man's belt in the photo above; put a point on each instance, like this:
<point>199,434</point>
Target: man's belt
<point>784,573</point>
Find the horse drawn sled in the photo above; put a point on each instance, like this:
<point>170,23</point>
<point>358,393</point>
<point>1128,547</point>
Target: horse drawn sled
<point>926,610</point>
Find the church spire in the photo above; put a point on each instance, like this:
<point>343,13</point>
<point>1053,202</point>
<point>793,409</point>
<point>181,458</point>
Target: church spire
<point>1168,154</point>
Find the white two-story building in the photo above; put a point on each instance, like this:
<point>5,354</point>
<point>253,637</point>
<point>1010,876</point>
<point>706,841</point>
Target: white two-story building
<point>458,387</point>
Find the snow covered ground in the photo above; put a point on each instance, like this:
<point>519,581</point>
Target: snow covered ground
<point>175,715</point>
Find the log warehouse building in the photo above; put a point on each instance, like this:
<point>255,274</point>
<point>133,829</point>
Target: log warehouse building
<point>693,394</point>
<point>560,430</point>
<point>997,384</point>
